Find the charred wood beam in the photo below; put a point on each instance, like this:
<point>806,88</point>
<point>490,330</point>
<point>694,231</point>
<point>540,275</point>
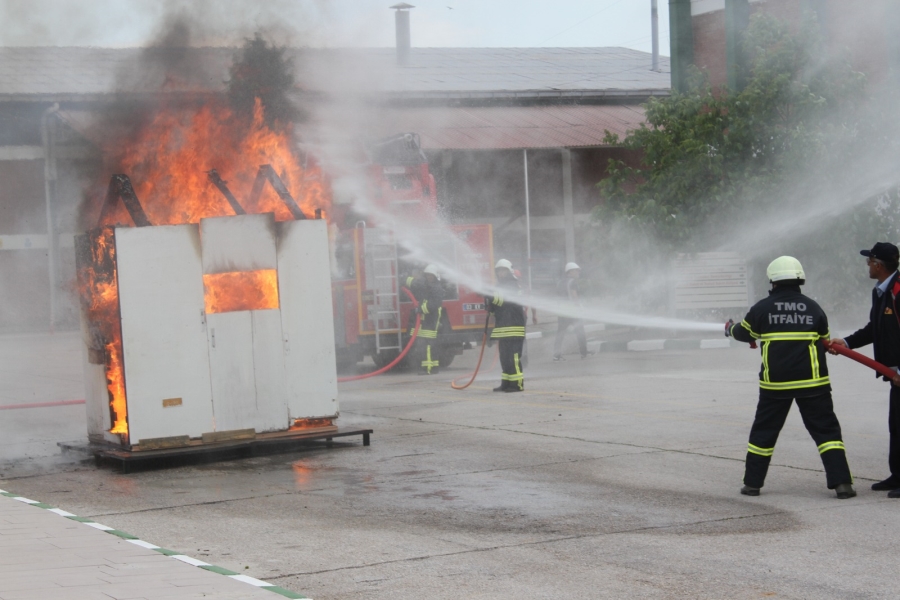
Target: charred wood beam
<point>267,173</point>
<point>120,188</point>
<point>222,185</point>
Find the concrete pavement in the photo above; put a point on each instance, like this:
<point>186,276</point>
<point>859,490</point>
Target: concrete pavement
<point>612,477</point>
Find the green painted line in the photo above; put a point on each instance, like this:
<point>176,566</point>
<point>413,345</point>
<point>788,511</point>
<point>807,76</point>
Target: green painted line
<point>282,591</point>
<point>127,536</point>
<point>122,534</point>
<point>219,570</point>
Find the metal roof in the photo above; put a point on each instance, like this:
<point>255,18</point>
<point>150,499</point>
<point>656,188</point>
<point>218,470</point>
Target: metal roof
<point>510,127</point>
<point>437,73</point>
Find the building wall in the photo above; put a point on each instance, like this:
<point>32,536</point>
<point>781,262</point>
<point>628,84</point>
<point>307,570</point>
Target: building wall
<point>868,29</point>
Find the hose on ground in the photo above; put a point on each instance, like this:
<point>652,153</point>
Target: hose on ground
<point>393,363</point>
<point>487,320</point>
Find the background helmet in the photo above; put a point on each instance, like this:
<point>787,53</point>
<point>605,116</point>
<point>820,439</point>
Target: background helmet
<point>432,270</point>
<point>785,268</point>
<point>503,264</point>
<point>571,267</point>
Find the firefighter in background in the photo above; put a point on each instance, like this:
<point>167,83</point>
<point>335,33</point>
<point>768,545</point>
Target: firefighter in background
<point>429,294</point>
<point>509,327</point>
<point>789,327</point>
<point>567,288</point>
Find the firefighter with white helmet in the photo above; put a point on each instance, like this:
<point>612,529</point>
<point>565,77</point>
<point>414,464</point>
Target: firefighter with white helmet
<point>567,289</point>
<point>790,328</point>
<point>429,294</point>
<point>509,327</point>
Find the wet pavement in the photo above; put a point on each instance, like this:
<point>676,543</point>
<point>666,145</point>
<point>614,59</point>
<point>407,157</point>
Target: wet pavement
<point>612,477</point>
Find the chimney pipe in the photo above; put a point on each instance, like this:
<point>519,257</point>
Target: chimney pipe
<point>654,25</point>
<point>401,20</point>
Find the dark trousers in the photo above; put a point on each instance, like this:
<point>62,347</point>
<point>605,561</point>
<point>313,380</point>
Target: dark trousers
<point>821,423</point>
<point>894,430</point>
<point>578,326</point>
<point>511,363</point>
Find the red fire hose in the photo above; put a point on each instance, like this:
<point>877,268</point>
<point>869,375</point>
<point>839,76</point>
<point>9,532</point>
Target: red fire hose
<point>393,363</point>
<point>480,356</point>
<point>863,360</point>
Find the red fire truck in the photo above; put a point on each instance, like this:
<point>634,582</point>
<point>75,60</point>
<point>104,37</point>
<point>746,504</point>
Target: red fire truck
<point>372,314</point>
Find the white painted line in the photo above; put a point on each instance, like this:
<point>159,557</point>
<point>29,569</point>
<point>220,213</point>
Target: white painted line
<point>249,580</point>
<point>100,526</point>
<point>3,492</point>
<point>25,500</point>
<point>143,544</point>
<point>708,344</point>
<point>534,335</point>
<point>60,512</point>
<point>645,345</point>
<point>191,561</point>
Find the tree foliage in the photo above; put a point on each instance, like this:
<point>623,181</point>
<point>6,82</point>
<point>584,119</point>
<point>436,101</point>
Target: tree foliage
<point>713,160</point>
<point>261,71</point>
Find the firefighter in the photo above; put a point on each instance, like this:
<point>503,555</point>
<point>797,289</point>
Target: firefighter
<point>789,327</point>
<point>509,327</point>
<point>429,294</point>
<point>567,288</point>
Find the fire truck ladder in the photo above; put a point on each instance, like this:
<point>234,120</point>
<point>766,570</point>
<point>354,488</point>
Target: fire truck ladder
<point>387,296</point>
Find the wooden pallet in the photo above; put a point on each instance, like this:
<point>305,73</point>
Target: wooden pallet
<point>198,451</point>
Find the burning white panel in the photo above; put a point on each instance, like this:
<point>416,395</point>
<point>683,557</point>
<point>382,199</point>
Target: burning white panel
<point>163,332</point>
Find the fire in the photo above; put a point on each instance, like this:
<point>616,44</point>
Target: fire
<point>169,158</point>
<point>311,424</point>
<point>241,290</point>
<point>99,289</point>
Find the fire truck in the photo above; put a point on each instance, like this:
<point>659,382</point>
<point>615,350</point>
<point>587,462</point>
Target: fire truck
<point>373,316</point>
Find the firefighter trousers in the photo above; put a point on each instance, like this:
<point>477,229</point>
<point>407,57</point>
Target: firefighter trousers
<point>426,342</point>
<point>821,423</point>
<point>894,431</point>
<point>563,325</point>
<point>511,363</point>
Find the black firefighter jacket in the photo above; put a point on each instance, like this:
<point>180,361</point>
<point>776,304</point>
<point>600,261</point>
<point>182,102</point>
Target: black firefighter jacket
<point>788,326</point>
<point>509,317</point>
<point>882,330</point>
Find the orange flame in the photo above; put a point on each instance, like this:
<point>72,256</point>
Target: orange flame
<point>241,290</point>
<point>311,424</point>
<point>168,161</point>
<point>99,289</point>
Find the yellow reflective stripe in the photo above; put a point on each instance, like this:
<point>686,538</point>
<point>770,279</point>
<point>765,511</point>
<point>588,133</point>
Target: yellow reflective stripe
<point>760,451</point>
<point>825,335</point>
<point>814,360</point>
<point>498,300</point>
<point>428,333</point>
<point>790,336</point>
<point>518,376</point>
<point>511,329</point>
<point>749,329</point>
<point>794,385</point>
<point>765,359</point>
<point>428,364</point>
<point>424,307</point>
<point>409,281</point>
<point>823,448</point>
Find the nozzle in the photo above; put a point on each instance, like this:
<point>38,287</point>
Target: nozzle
<point>728,327</point>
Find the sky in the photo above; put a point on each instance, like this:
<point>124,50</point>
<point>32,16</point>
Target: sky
<point>336,23</point>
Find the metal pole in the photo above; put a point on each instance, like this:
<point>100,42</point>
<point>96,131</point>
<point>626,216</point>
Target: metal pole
<point>568,208</point>
<point>654,26</point>
<point>527,218</point>
<point>47,135</point>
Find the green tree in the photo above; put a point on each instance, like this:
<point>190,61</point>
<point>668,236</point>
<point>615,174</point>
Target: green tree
<point>262,71</point>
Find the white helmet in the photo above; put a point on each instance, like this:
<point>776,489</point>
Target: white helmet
<point>433,270</point>
<point>785,268</point>
<point>571,267</point>
<point>503,264</point>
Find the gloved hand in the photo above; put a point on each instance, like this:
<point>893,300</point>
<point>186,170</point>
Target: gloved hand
<point>728,327</point>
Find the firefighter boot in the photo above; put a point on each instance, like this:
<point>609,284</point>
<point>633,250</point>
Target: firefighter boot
<point>750,491</point>
<point>500,389</point>
<point>844,491</point>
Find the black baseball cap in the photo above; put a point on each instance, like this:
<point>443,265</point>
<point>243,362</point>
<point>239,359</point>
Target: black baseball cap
<point>883,251</point>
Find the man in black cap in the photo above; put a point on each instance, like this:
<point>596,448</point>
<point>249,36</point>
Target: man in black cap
<point>883,331</point>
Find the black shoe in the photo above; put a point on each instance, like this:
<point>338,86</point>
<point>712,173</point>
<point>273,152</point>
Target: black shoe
<point>845,490</point>
<point>511,390</point>
<point>500,389</point>
<point>894,493</point>
<point>891,483</point>
<point>750,491</point>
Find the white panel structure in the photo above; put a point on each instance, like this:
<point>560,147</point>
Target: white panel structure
<point>307,320</point>
<point>163,332</point>
<point>241,243</point>
<point>268,370</point>
<point>231,370</point>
